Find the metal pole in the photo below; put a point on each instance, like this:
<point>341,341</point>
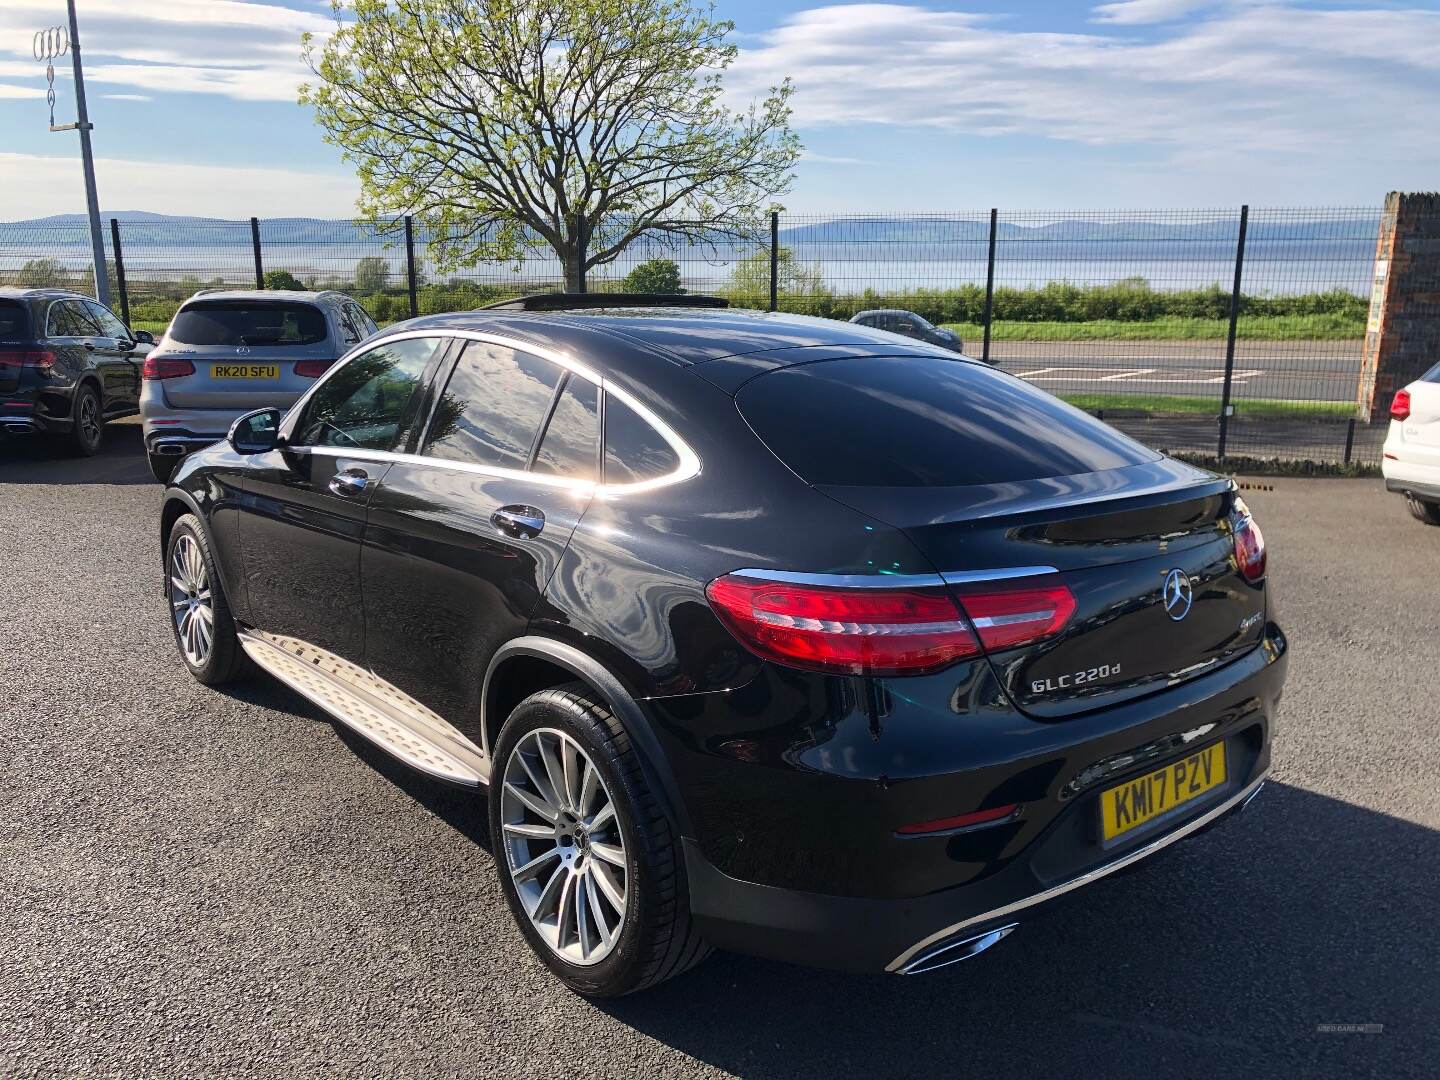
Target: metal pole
<point>774,260</point>
<point>120,272</point>
<point>1225,405</point>
<point>255,246</point>
<point>410,265</point>
<point>989,284</point>
<point>92,198</point>
<point>1349,440</point>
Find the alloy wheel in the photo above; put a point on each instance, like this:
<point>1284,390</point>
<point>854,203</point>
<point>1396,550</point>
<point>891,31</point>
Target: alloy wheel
<point>190,601</point>
<point>89,419</point>
<point>564,846</point>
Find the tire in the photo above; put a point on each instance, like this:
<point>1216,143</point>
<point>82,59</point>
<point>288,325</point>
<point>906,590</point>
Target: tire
<point>193,580</point>
<point>87,426</point>
<point>653,938</point>
<point>1428,512</point>
<point>162,468</point>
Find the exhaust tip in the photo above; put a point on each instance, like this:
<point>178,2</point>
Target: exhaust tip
<point>170,449</point>
<point>945,953</point>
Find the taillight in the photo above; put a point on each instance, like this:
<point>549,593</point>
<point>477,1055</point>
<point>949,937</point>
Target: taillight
<point>165,367</point>
<point>1400,407</point>
<point>312,369</point>
<point>883,630</point>
<point>854,631</point>
<point>1249,542</point>
<point>41,360</point>
<point>1006,616</point>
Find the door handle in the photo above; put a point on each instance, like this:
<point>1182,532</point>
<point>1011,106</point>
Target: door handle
<point>521,522</point>
<point>350,483</point>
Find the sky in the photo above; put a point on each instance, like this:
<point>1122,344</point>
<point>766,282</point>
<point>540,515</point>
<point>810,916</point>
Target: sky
<point>946,105</point>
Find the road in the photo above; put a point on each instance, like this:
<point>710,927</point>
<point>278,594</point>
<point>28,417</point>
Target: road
<point>199,883</point>
<point>1284,370</point>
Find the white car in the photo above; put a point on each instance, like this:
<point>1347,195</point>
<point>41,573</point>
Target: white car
<point>1412,449</point>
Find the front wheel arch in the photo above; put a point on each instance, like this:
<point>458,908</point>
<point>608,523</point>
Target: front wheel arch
<point>532,663</point>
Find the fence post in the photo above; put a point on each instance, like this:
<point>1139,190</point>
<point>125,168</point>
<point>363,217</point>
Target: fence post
<point>1349,439</point>
<point>1230,335</point>
<point>990,283</point>
<point>774,260</point>
<point>255,244</point>
<point>120,272</point>
<point>410,265</point>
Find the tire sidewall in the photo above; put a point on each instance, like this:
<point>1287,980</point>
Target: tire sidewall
<point>618,971</point>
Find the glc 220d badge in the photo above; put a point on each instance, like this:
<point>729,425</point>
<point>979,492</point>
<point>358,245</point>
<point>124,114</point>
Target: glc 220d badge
<point>1079,678</point>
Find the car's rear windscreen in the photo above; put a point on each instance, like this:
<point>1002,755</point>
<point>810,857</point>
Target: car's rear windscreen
<point>245,322</point>
<point>920,421</point>
<point>14,321</point>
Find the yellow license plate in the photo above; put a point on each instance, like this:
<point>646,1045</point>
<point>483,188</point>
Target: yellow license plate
<point>1133,803</point>
<point>246,371</point>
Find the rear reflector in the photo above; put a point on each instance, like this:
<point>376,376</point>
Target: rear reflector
<point>1400,406</point>
<point>964,821</point>
<point>1249,542</point>
<point>165,368</point>
<point>1009,616</point>
<point>312,369</point>
<point>853,631</point>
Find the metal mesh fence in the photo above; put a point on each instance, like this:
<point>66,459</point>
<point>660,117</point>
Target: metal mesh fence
<point>1125,313</point>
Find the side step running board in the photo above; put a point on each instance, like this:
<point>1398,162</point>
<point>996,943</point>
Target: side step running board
<point>371,706</point>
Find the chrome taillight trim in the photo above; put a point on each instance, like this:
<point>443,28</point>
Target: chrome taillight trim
<point>895,581</point>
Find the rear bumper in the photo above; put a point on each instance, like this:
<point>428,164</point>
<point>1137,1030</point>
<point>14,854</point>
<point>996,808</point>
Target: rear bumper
<point>807,867</point>
<point>899,936</point>
<point>1424,489</point>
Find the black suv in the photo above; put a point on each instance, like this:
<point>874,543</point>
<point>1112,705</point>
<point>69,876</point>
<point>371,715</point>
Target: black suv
<point>762,632</point>
<point>67,365</point>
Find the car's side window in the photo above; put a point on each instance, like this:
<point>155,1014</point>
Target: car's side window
<point>634,451</point>
<point>492,407</point>
<point>110,326</point>
<point>568,447</point>
<point>361,318</point>
<point>68,318</point>
<point>905,325</point>
<point>349,332</point>
<point>371,402</point>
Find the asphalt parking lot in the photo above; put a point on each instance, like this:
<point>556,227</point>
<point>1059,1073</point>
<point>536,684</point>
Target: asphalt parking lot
<point>199,883</point>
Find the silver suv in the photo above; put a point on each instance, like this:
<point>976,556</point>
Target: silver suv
<point>227,353</point>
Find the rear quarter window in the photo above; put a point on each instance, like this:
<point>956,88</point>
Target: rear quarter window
<point>921,421</point>
<point>634,451</point>
<point>14,321</point>
<point>252,323</point>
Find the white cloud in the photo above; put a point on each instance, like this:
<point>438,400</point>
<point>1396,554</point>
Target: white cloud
<point>1273,79</point>
<point>36,185</point>
<point>9,91</point>
<point>1148,11</point>
<point>248,51</point>
<point>127,97</point>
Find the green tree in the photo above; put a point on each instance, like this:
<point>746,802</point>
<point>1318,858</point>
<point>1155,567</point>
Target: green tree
<point>654,276</point>
<point>583,123</point>
<point>801,286</point>
<point>282,279</point>
<point>371,274</point>
<point>42,273</point>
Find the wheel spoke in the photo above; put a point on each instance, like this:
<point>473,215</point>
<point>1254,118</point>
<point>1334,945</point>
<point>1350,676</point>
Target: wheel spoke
<point>597,910</point>
<point>536,804</point>
<point>565,912</point>
<point>530,832</point>
<point>603,816</point>
<point>601,873</point>
<point>555,772</point>
<point>550,895</point>
<point>570,773</point>
<point>542,788</point>
<point>615,856</point>
<point>587,789</point>
<point>582,914</point>
<point>179,584</point>
<point>535,865</point>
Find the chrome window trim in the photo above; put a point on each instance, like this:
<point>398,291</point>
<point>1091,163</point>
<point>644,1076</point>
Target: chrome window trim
<point>1240,798</point>
<point>689,461</point>
<point>896,581</point>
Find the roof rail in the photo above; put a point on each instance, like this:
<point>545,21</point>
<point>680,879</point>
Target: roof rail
<point>563,301</point>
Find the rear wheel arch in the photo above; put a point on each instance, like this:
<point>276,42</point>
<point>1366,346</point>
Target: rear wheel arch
<point>532,663</point>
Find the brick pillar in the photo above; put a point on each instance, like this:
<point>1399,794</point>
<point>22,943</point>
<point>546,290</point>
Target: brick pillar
<point>1402,336</point>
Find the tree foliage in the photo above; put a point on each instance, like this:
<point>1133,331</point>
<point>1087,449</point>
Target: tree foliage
<point>801,286</point>
<point>583,123</point>
<point>372,274</point>
<point>42,273</point>
<point>654,276</point>
<point>282,279</point>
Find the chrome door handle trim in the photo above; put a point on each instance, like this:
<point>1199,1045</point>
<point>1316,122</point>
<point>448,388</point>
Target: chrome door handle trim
<point>349,483</point>
<point>523,522</point>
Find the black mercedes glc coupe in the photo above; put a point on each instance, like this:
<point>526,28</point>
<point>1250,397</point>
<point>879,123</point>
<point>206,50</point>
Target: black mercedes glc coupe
<point>757,632</point>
